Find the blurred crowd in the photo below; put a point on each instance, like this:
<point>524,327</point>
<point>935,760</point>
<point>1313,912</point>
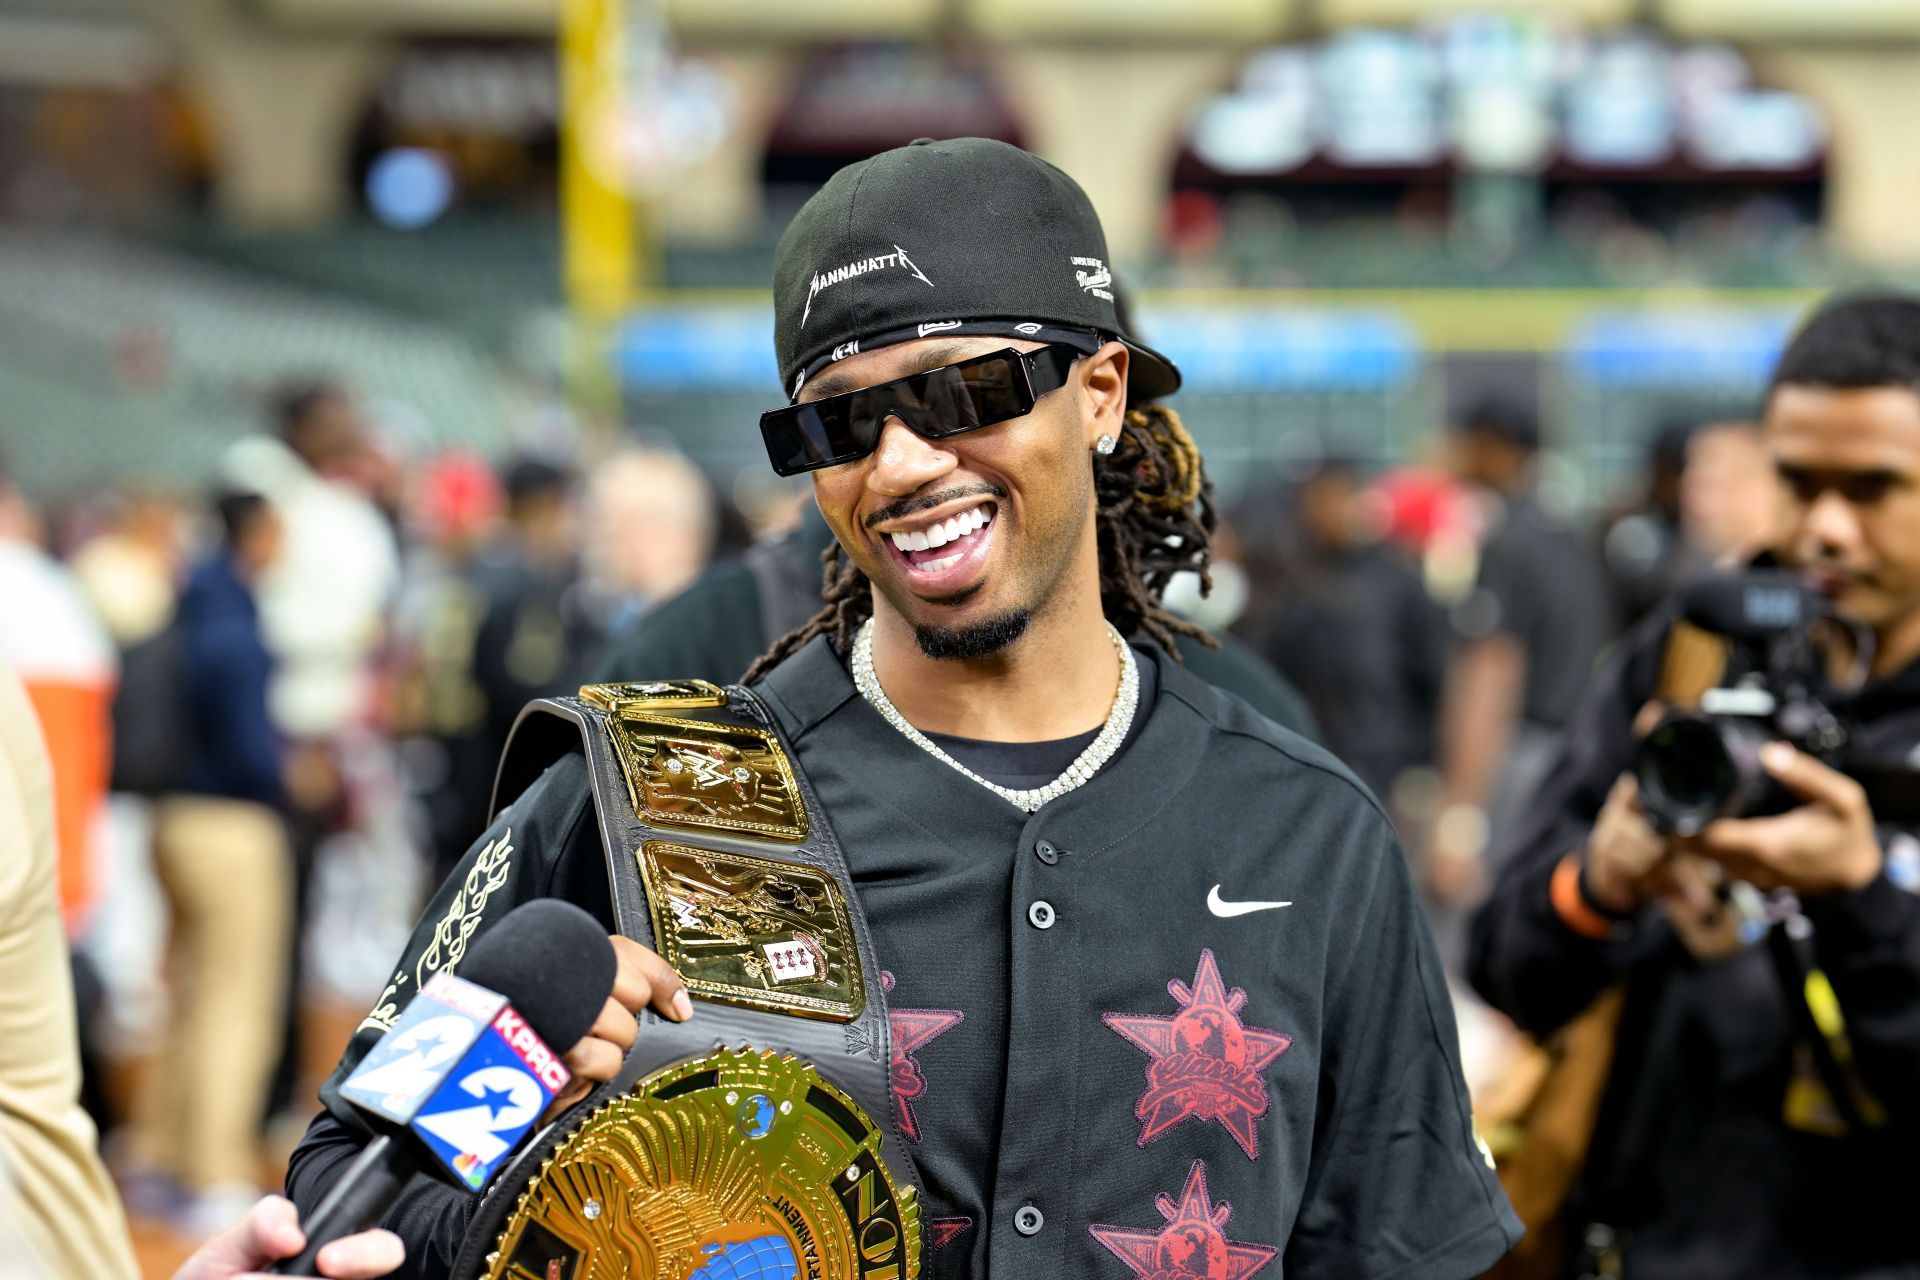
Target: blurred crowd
<point>274,708</point>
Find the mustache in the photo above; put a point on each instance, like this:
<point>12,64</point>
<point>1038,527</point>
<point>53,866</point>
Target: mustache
<point>928,501</point>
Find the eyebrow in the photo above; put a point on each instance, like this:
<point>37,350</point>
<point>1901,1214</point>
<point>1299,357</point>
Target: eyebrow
<point>830,384</point>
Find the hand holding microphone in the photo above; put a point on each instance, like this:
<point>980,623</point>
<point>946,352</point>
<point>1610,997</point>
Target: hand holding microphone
<point>467,1071</point>
<point>271,1230</point>
<point>641,979</point>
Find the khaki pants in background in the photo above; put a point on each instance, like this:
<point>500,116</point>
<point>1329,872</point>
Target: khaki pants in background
<point>227,871</point>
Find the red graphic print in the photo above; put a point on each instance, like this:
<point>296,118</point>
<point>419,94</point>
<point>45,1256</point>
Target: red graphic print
<point>945,1230</point>
<point>1192,1246</point>
<point>912,1028</point>
<point>1205,1061</point>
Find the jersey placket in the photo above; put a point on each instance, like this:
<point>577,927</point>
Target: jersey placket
<point>1032,1215</point>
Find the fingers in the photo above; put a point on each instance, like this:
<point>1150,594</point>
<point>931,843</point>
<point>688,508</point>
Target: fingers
<point>595,1060</point>
<point>362,1257</point>
<point>1647,718</point>
<point>273,1228</point>
<point>645,980</point>
<point>615,1025</point>
<point>1810,779</point>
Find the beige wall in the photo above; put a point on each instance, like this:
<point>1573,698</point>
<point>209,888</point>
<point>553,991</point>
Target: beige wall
<point>282,109</point>
<point>1872,99</point>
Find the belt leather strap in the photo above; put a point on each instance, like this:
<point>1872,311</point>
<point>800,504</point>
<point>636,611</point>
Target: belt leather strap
<point>653,752</point>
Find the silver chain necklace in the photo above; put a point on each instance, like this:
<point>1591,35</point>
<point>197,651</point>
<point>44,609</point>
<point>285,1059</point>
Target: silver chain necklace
<point>1089,762</point>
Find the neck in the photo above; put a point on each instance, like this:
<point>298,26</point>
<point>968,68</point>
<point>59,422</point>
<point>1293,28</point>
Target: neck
<point>1057,680</point>
<point>1896,645</point>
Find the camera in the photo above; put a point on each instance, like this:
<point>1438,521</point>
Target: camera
<point>1783,643</point>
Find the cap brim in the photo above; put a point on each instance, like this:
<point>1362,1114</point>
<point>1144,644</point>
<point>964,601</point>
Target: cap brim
<point>1150,375</point>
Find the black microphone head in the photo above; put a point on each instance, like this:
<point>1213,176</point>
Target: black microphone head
<point>553,963</point>
<point>1753,605</point>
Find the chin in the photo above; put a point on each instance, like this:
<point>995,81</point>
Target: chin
<point>978,637</point>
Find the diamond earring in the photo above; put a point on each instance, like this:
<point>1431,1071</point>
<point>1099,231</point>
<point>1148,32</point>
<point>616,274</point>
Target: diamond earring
<point>1105,445</point>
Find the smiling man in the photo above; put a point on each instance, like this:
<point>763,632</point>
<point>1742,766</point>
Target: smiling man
<point>1721,1149</point>
<point>1161,1000</point>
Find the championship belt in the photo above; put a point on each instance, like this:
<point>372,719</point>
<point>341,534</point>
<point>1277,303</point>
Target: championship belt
<point>757,1141</point>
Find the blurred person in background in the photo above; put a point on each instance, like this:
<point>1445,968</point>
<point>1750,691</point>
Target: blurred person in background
<point>1728,492</point>
<point>324,611</point>
<point>131,568</point>
<point>1345,619</point>
<point>455,513</point>
<point>1526,635</point>
<point>651,521</point>
<point>1644,543</point>
<point>54,1192</point>
<point>221,851</point>
<point>56,645</point>
<point>532,637</point>
<point>1718,1148</point>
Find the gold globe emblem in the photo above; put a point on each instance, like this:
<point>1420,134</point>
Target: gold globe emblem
<point>740,1165</point>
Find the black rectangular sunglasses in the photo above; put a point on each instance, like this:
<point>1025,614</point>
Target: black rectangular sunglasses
<point>938,403</point>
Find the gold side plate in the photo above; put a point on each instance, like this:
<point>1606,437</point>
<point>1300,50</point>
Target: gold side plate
<point>738,1163</point>
<point>754,932</point>
<point>690,774</point>
<point>653,695</point>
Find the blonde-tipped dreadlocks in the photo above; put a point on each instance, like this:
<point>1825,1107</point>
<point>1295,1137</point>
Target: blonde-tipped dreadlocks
<point>1154,519</point>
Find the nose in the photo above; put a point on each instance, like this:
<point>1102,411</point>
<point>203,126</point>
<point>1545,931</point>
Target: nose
<point>904,463</point>
<point>1832,525</point>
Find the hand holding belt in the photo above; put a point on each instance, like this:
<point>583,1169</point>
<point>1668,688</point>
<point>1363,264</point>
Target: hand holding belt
<point>760,1133</point>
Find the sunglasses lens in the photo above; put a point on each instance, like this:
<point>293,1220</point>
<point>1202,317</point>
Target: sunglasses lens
<point>976,394</point>
<point>804,437</point>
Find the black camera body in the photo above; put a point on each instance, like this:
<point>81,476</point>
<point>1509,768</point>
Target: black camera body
<point>1700,765</point>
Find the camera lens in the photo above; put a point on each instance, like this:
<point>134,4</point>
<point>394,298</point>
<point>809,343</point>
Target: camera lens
<point>1689,771</point>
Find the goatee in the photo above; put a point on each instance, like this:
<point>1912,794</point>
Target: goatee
<point>975,639</point>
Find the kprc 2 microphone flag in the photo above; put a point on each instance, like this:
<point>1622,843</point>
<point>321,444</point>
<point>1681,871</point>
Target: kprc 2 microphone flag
<point>464,1072</point>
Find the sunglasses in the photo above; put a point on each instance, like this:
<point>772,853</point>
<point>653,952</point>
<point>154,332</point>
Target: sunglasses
<point>934,405</point>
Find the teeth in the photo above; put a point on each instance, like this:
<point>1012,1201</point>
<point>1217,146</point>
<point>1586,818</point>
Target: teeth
<point>940,535</point>
<point>937,566</point>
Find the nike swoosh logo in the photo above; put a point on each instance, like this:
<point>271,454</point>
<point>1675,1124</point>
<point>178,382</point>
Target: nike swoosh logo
<point>1227,910</point>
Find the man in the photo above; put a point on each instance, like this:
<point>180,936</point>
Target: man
<point>1346,618</point>
<point>1719,1150</point>
<point>1528,634</point>
<point>220,850</point>
<point>717,627</point>
<point>1172,1003</point>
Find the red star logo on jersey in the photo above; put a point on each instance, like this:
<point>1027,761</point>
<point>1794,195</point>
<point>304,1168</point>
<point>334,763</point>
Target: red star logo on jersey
<point>944,1231</point>
<point>910,1029</point>
<point>1205,1061</point>
<point>1192,1246</point>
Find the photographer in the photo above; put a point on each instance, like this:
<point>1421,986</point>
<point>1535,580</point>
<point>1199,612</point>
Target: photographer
<point>1750,1125</point>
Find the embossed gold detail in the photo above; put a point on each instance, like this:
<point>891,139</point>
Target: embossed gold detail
<point>653,695</point>
<point>717,777</point>
<point>687,1183</point>
<point>448,941</point>
<point>754,931</point>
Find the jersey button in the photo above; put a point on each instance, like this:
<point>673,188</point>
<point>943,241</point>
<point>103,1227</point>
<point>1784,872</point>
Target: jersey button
<point>1045,851</point>
<point>1028,1220</point>
<point>1040,915</point>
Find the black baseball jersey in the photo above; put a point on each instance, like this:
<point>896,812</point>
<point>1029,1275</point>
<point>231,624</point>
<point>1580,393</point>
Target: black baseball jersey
<point>1186,1020</point>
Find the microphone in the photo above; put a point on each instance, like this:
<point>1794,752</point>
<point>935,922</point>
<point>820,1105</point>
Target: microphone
<point>470,1066</point>
<point>1757,604</point>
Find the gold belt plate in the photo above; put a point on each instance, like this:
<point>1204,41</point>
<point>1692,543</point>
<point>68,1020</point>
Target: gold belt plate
<point>653,695</point>
<point>738,1165</point>
<point>755,932</point>
<point>693,775</point>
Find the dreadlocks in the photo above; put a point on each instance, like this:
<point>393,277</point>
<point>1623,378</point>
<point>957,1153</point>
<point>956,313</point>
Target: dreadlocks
<point>1154,518</point>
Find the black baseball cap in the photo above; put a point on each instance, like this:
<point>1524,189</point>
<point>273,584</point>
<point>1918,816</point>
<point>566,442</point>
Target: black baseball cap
<point>965,236</point>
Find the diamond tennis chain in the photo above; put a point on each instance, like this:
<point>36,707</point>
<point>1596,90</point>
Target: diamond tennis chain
<point>1089,762</point>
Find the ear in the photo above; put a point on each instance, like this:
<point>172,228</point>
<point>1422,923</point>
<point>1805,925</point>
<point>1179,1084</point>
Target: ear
<point>1102,379</point>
